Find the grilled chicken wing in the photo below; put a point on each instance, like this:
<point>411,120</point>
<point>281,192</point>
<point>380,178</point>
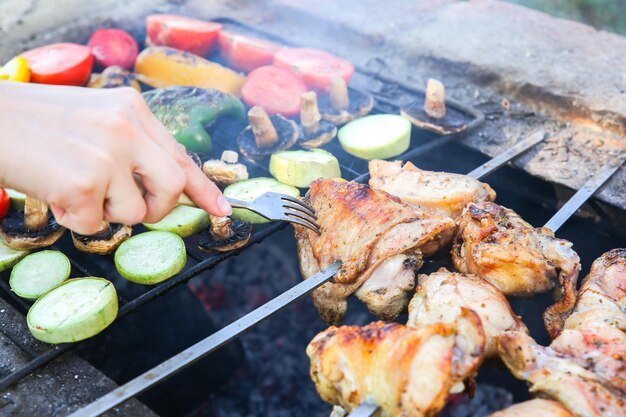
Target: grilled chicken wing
<point>494,243</point>
<point>437,193</point>
<point>579,377</point>
<point>441,296</point>
<point>380,241</point>
<point>409,372</point>
<point>534,408</point>
<point>601,300</point>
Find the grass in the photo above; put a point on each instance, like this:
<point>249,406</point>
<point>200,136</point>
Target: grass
<point>609,15</point>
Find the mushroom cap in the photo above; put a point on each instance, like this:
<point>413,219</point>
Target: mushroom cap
<point>325,134</point>
<point>16,236</point>
<point>241,235</point>
<point>287,135</point>
<point>105,242</point>
<point>361,104</point>
<point>224,173</point>
<point>454,121</point>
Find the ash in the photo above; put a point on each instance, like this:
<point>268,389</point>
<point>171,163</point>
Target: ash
<point>274,380</point>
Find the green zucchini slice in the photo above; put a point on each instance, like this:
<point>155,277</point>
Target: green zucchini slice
<point>380,136</point>
<point>250,189</point>
<point>299,168</point>
<point>151,257</point>
<point>39,273</point>
<point>79,309</point>
<point>9,257</point>
<point>183,221</point>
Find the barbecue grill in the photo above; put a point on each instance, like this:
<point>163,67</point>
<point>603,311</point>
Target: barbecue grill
<point>534,199</point>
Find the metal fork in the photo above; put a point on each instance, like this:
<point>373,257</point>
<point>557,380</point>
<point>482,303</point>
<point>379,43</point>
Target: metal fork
<point>276,206</point>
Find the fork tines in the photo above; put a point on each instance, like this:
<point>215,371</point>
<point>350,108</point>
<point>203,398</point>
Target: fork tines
<point>296,211</point>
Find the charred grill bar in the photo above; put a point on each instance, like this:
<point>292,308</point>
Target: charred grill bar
<point>426,143</point>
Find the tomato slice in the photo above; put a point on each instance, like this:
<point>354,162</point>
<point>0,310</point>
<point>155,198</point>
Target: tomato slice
<point>60,63</point>
<point>316,68</point>
<point>184,33</point>
<point>244,53</point>
<point>275,89</point>
<point>113,47</point>
<point>5,202</point>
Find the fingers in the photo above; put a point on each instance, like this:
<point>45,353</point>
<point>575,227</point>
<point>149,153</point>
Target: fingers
<point>82,213</point>
<point>124,202</point>
<point>198,187</point>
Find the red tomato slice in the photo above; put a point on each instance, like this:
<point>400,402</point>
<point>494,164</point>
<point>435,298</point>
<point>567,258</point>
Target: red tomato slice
<point>60,63</point>
<point>184,33</point>
<point>113,47</point>
<point>5,202</point>
<point>275,89</point>
<point>244,53</point>
<point>316,68</point>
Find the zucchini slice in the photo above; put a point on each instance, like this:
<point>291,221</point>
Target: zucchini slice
<point>9,257</point>
<point>17,199</point>
<point>299,168</point>
<point>250,189</point>
<point>183,221</point>
<point>79,309</point>
<point>151,257</point>
<point>380,136</point>
<point>39,273</point>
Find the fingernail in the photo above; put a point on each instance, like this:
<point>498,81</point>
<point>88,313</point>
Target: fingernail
<point>224,205</point>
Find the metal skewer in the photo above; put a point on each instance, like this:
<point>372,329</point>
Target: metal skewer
<point>233,330</point>
<point>368,408</point>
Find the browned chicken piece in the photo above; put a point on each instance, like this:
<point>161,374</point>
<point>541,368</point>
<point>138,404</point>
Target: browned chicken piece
<point>380,241</point>
<point>496,244</point>
<point>534,408</point>
<point>409,372</point>
<point>442,295</point>
<point>437,193</point>
<point>582,383</point>
<point>601,299</point>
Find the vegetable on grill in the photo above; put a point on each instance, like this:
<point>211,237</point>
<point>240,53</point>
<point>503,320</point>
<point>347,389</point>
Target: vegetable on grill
<point>39,273</point>
<point>316,68</point>
<point>379,136</point>
<point>113,77</point>
<point>299,168</point>
<point>187,111</point>
<point>342,105</point>
<point>250,189</point>
<point>245,53</point>
<point>161,66</point>
<point>275,89</point>
<point>79,309</point>
<point>105,241</point>
<point>16,70</point>
<point>180,32</point>
<point>151,257</point>
<point>113,47</point>
<point>183,221</point>
<point>314,131</point>
<point>225,234</point>
<point>31,228</point>
<point>60,63</point>
<point>266,135</point>
<point>9,257</point>
<point>226,170</point>
<point>17,199</point>
<point>5,203</point>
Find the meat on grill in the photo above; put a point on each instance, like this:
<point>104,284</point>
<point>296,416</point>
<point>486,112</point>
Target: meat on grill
<point>496,244</point>
<point>601,300</point>
<point>534,408</point>
<point>380,241</point>
<point>409,372</point>
<point>437,193</point>
<point>441,296</point>
<point>582,378</point>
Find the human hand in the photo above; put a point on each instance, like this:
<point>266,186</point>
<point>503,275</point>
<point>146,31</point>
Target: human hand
<point>78,148</point>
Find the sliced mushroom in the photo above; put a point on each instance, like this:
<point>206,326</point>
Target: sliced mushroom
<point>227,170</point>
<point>343,105</point>
<point>105,241</point>
<point>430,113</point>
<point>32,228</point>
<point>224,234</point>
<point>266,135</point>
<point>315,132</point>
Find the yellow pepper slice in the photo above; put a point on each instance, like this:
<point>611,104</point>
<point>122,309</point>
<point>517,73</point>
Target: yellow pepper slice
<point>16,70</point>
